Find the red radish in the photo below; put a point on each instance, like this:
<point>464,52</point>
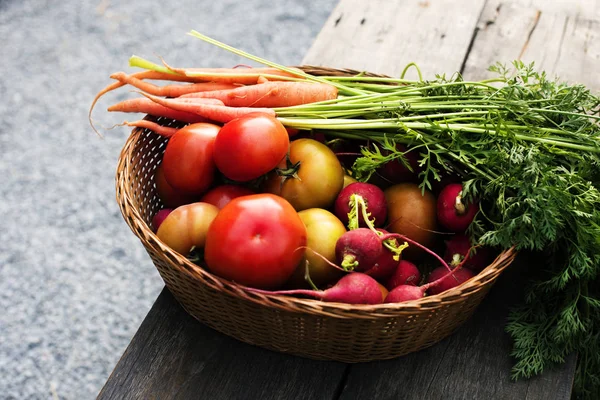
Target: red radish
<point>406,273</point>
<point>210,111</point>
<point>373,198</point>
<point>396,172</point>
<point>170,90</point>
<point>358,249</point>
<point>452,212</point>
<point>457,249</point>
<point>353,288</point>
<point>272,94</point>
<point>159,217</point>
<point>147,106</point>
<point>386,263</point>
<point>440,280</point>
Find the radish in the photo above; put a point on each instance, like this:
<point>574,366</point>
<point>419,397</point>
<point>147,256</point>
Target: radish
<point>396,172</point>
<point>452,213</point>
<point>159,217</point>
<point>440,280</point>
<point>406,273</point>
<point>457,249</point>
<point>353,288</point>
<point>365,194</point>
<point>388,259</point>
<point>358,249</point>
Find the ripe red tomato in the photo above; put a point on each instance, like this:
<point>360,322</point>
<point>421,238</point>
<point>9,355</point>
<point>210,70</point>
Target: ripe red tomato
<point>315,183</point>
<point>187,227</point>
<point>250,146</point>
<point>188,160</point>
<point>256,241</point>
<point>222,195</point>
<point>170,196</point>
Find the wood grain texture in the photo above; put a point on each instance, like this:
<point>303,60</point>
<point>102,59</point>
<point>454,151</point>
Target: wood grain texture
<point>561,37</point>
<point>383,36</point>
<point>173,356</point>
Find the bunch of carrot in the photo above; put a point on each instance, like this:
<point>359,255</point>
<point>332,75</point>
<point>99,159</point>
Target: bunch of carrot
<point>212,94</point>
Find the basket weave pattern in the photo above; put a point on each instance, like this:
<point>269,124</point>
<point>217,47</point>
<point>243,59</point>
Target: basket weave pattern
<point>309,328</point>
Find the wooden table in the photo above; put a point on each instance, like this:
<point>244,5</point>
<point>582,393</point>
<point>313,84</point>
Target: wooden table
<point>174,356</point>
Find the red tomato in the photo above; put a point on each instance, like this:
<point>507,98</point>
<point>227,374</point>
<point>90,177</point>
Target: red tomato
<point>255,241</point>
<point>187,226</point>
<point>188,160</point>
<point>221,195</point>
<point>250,146</point>
<point>170,196</point>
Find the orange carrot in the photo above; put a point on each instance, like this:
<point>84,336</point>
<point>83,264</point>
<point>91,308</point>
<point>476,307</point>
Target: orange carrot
<point>215,102</point>
<point>170,90</point>
<point>272,94</point>
<point>166,131</point>
<point>153,75</point>
<point>147,106</point>
<point>209,111</point>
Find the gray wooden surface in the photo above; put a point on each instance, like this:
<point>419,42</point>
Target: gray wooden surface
<point>173,356</point>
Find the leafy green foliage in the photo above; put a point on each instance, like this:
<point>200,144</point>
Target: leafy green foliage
<point>529,148</point>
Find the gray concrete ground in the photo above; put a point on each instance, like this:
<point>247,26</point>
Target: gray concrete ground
<point>75,283</point>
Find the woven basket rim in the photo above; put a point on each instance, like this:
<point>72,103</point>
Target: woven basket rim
<point>290,303</point>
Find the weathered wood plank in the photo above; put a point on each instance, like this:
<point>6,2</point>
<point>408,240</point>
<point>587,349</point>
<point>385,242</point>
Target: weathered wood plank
<point>473,363</point>
<point>174,356</point>
<point>384,36</point>
<point>561,37</point>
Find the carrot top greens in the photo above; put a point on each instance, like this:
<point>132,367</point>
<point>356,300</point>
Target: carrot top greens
<point>528,147</point>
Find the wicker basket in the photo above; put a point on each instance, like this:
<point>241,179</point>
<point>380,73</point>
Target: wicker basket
<point>309,328</point>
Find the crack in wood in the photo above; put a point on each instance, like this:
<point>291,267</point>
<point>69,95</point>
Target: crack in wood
<point>536,20</point>
<point>337,21</point>
<point>560,43</point>
<point>473,37</point>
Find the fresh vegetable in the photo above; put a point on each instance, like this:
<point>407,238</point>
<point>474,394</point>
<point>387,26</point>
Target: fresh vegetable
<point>309,177</point>
<point>323,229</point>
<point>439,281</point>
<point>457,249</point>
<point>170,90</point>
<point>165,131</point>
<point>373,198</point>
<point>250,146</point>
<point>148,106</point>
<point>452,211</point>
<point>386,263</point>
<point>403,169</point>
<point>186,227</point>
<point>348,180</point>
<point>188,161</point>
<point>169,196</point>
<point>411,212</point>
<point>272,94</point>
<point>221,195</point>
<point>406,273</point>
<point>444,280</point>
<point>256,240</point>
<point>353,288</point>
<point>211,112</point>
<point>358,249</point>
<point>159,217</point>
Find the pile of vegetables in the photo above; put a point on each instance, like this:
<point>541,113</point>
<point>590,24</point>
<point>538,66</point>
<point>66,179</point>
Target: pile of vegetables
<point>283,181</point>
